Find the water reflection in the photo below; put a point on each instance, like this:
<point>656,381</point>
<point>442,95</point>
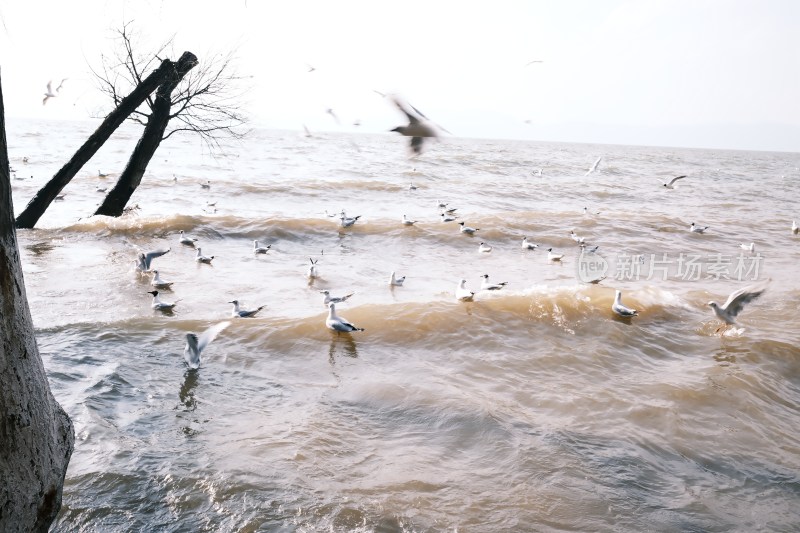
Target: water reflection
<point>186,393</point>
<point>347,346</point>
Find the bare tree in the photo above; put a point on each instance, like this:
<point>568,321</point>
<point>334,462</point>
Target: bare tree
<point>203,100</point>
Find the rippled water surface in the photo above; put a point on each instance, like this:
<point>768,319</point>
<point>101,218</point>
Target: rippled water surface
<point>532,408</point>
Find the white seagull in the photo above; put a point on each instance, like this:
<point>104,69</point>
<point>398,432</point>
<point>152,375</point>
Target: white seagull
<point>50,93</point>
<point>159,283</point>
<point>552,256</point>
<point>143,261</point>
<point>528,245</point>
<point>486,286</point>
<point>260,249</point>
<point>337,323</point>
<point>575,237</point>
<point>697,229</point>
<point>748,247</point>
<point>196,344</point>
<point>395,281</point>
<point>186,240</point>
<point>484,248</point>
<point>408,222</point>
<point>735,303</point>
<point>594,167</point>
<point>795,228</point>
<point>467,229</point>
<point>446,218</point>
<point>158,305</point>
<point>238,312</point>
<point>346,221</point>
<point>418,127</point>
<point>200,258</point>
<point>335,299</point>
<point>312,273</point>
<point>620,309</point>
<point>462,293</point>
<point>671,184</point>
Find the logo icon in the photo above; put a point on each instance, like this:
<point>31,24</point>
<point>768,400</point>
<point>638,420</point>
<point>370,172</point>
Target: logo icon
<point>592,267</point>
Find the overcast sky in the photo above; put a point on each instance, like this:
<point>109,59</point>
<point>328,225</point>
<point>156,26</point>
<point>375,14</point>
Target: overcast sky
<point>699,73</point>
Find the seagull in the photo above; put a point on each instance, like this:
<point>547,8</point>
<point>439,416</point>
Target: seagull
<point>440,204</point>
<point>484,248</point>
<point>528,245</point>
<point>697,229</point>
<point>446,218</point>
<point>186,240</point>
<point>308,133</point>
<point>143,261</point>
<point>551,256</point>
<point>200,258</point>
<point>451,211</point>
<point>159,283</point>
<point>196,344</point>
<point>534,61</point>
<point>418,126</point>
<point>238,312</point>
<point>101,174</point>
<point>335,299</point>
<point>346,221</point>
<point>337,323</point>
<point>735,303</point>
<point>310,68</point>
<point>671,184</point>
<point>462,293</point>
<point>795,229</point>
<point>50,93</point>
<point>312,273</point>
<point>206,185</point>
<point>408,222</point>
<point>620,309</point>
<point>467,229</point>
<point>395,281</point>
<point>591,250</point>
<point>331,113</point>
<point>586,212</point>
<point>594,167</point>
<point>486,286</point>
<point>575,237</point>
<point>412,187</point>
<point>158,305</point>
<point>260,249</point>
<point>748,247</point>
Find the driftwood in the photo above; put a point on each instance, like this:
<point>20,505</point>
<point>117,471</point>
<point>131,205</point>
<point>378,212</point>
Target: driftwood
<point>151,138</point>
<point>36,435</point>
<point>42,200</point>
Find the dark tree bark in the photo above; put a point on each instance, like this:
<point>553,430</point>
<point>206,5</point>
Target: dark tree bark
<point>39,203</point>
<point>151,138</point>
<point>36,435</point>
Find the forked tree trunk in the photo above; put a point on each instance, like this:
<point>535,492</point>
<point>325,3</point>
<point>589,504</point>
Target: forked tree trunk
<point>131,177</point>
<point>36,435</point>
<point>39,203</point>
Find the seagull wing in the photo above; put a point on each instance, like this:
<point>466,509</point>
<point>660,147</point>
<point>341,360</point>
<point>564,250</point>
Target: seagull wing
<point>676,179</point>
<point>210,334</point>
<point>412,119</point>
<point>50,87</point>
<point>737,300</point>
<point>149,256</point>
<point>60,85</point>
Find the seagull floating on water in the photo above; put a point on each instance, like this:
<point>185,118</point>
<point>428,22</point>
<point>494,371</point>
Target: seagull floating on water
<point>671,184</point>
<point>260,249</point>
<point>462,293</point>
<point>418,127</point>
<point>195,344</point>
<point>446,218</point>
<point>143,261</point>
<point>591,250</point>
<point>697,229</point>
<point>186,240</point>
<point>728,311</point>
<point>338,323</point>
<point>748,247</point>
<point>795,228</point>
<point>412,187</point>
<point>408,222</point>
<point>238,312</point>
<point>158,305</point>
<point>335,299</point>
<point>206,185</point>
<point>486,286</point>
<point>346,221</point>
<point>159,283</point>
<point>552,256</point>
<point>528,245</point>
<point>200,258</point>
<point>395,281</point>
<point>466,229</point>
<point>620,309</point>
<point>312,273</point>
<point>484,248</point>
<point>575,237</point>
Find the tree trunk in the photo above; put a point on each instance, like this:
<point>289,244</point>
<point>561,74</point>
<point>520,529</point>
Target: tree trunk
<point>39,203</point>
<point>131,177</point>
<point>36,435</point>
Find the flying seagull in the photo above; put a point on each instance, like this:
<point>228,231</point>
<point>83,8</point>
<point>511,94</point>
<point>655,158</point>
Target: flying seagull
<point>735,303</point>
<point>50,93</point>
<point>594,167</point>
<point>195,344</point>
<point>671,184</point>
<point>418,127</point>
